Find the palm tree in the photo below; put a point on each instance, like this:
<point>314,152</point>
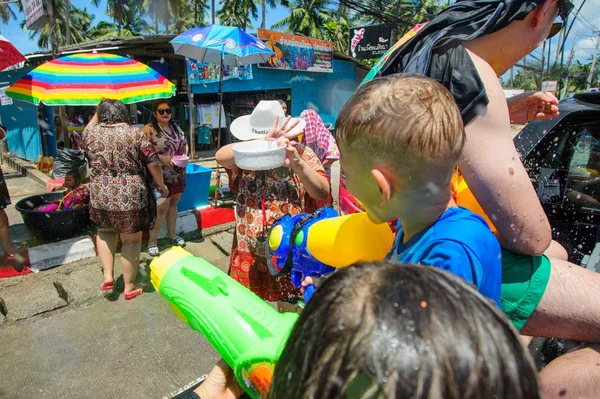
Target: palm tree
<point>186,15</point>
<point>120,10</point>
<point>7,13</point>
<point>157,11</point>
<point>79,21</point>
<point>336,31</point>
<point>307,17</point>
<point>237,13</point>
<point>263,4</point>
<point>133,25</point>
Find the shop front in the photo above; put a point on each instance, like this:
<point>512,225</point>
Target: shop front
<point>305,73</point>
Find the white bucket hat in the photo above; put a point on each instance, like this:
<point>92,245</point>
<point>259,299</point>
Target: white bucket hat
<point>260,122</point>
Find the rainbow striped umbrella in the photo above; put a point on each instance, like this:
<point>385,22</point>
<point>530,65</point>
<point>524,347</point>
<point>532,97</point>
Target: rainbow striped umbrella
<point>84,79</point>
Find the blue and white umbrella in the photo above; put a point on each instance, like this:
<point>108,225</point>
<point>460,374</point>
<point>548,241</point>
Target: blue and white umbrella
<point>224,45</point>
<point>215,44</point>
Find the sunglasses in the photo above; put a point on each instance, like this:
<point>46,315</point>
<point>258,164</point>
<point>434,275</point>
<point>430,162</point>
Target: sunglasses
<point>564,9</point>
<point>162,111</point>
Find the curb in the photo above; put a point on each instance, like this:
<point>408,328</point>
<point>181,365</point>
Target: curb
<point>59,253</point>
<point>24,167</point>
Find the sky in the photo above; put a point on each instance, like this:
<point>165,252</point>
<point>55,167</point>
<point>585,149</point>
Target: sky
<point>20,38</point>
<point>582,32</point>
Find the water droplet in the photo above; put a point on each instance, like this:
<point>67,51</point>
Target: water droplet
<point>578,196</point>
<point>403,311</point>
<point>395,304</point>
<point>579,246</point>
<point>555,139</point>
<point>432,187</point>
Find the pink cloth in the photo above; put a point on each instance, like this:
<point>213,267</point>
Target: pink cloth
<point>318,137</point>
<point>54,183</point>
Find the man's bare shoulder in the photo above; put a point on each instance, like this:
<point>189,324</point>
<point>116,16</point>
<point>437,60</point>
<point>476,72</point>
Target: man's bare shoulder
<point>496,112</point>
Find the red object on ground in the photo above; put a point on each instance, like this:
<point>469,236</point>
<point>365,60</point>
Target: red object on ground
<point>11,266</point>
<point>209,217</point>
<point>9,271</point>
<point>54,183</point>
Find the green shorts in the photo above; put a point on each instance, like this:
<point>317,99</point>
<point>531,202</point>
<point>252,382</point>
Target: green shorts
<point>524,281</point>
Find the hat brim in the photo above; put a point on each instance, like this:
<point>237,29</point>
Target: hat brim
<point>240,128</point>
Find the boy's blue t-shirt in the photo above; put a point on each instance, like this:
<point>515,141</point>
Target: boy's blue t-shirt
<point>459,242</point>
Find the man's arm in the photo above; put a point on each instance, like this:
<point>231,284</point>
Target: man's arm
<point>496,176</point>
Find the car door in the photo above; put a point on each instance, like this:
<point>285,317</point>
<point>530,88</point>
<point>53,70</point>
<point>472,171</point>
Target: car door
<point>565,170</point>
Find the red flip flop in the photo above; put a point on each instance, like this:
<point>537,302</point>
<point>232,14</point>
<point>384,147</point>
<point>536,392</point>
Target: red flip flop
<point>135,293</point>
<point>107,286</point>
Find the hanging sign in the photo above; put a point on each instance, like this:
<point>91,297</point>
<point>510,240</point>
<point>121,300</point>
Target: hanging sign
<point>549,85</point>
<point>202,72</point>
<point>35,15</point>
<point>297,53</point>
<point>370,42</point>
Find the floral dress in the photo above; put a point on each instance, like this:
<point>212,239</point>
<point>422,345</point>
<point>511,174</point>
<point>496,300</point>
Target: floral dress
<point>170,144</point>
<point>120,193</point>
<point>263,197</point>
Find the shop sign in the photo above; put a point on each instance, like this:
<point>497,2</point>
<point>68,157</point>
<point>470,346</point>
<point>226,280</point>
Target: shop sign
<point>297,53</point>
<point>370,42</point>
<point>4,99</point>
<point>202,72</point>
<point>35,15</point>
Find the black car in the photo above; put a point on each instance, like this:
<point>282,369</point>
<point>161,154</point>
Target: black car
<point>562,157</point>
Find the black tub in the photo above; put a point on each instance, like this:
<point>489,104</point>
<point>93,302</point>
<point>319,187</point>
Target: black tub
<point>52,226</point>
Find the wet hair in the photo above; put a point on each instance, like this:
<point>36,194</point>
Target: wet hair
<point>74,173</point>
<point>402,331</point>
<point>112,111</point>
<point>407,122</point>
<point>154,121</point>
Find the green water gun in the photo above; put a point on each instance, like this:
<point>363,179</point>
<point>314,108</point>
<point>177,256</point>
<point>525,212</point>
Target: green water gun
<point>246,331</point>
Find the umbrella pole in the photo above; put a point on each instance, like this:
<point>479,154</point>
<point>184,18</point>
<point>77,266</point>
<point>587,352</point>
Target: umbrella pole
<point>218,182</point>
<point>191,109</point>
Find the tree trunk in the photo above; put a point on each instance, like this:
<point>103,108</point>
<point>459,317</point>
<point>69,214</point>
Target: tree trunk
<point>212,9</point>
<point>263,4</point>
<point>67,22</point>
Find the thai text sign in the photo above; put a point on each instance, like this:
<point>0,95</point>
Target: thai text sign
<point>369,42</point>
<point>297,53</point>
<point>35,15</point>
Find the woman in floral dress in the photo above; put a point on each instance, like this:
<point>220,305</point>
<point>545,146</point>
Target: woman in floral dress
<point>263,197</point>
<point>168,141</point>
<point>121,201</point>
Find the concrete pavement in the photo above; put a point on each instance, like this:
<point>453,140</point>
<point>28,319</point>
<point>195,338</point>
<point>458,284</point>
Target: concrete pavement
<point>62,337</point>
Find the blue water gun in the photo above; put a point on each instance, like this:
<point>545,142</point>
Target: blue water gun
<point>315,244</point>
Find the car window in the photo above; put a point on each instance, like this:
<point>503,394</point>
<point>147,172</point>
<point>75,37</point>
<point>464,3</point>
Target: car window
<point>582,189</point>
<point>560,158</point>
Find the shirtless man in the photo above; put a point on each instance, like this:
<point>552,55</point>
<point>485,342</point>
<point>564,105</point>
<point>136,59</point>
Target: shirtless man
<point>467,47</point>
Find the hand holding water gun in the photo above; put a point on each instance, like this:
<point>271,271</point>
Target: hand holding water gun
<point>246,331</point>
<point>313,245</point>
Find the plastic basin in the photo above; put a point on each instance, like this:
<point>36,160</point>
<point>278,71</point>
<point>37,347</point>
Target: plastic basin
<point>197,185</point>
<point>258,155</point>
<point>52,226</point>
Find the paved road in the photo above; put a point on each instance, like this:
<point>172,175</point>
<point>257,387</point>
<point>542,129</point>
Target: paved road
<point>83,344</point>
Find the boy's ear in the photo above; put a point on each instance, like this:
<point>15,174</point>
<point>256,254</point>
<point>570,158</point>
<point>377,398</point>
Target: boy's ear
<point>386,183</point>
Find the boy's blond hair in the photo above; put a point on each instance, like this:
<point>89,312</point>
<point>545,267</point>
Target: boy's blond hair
<point>407,122</point>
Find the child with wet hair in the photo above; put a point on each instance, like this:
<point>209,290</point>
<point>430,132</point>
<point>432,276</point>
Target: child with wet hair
<point>395,331</point>
<point>402,331</point>
<point>400,138</point>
